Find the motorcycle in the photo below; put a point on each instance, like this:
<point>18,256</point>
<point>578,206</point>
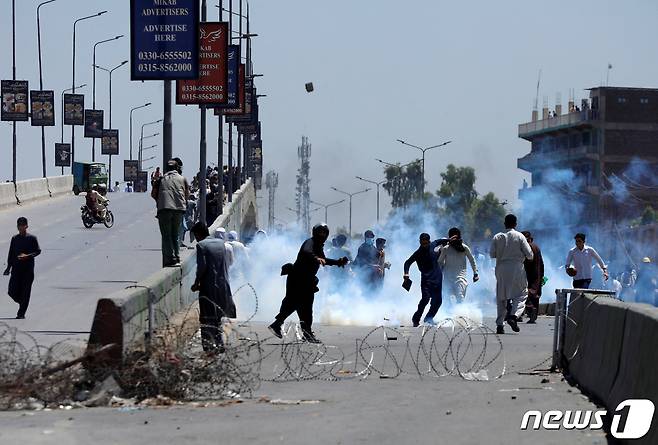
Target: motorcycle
<point>89,219</point>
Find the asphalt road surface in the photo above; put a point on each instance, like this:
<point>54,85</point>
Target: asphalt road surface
<point>405,410</point>
<point>78,265</point>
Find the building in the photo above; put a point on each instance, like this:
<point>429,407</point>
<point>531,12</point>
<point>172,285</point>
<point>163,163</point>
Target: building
<point>597,163</point>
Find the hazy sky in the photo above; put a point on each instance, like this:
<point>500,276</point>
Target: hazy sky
<point>422,71</point>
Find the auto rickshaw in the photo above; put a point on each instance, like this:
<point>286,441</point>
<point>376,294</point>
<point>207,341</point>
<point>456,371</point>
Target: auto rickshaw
<point>88,174</point>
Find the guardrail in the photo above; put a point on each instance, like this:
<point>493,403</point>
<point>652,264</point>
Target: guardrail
<point>129,317</point>
<point>34,189</point>
<point>609,348</point>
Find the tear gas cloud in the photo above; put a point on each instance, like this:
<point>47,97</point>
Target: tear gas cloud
<point>553,212</point>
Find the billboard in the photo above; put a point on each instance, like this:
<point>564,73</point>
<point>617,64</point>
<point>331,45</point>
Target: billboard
<point>238,109</point>
<point>42,104</point>
<point>164,39</point>
<point>74,106</point>
<point>62,155</point>
<point>110,142</point>
<point>211,86</point>
<point>141,183</point>
<point>130,170</point>
<point>14,100</point>
<point>249,98</point>
<point>93,123</point>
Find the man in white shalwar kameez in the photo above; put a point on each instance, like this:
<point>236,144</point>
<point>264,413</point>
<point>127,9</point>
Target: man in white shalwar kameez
<point>452,260</point>
<point>510,249</point>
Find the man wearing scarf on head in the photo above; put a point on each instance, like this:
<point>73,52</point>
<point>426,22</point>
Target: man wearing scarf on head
<point>452,259</point>
<point>367,258</point>
<point>302,283</point>
<point>534,271</point>
<point>427,259</point>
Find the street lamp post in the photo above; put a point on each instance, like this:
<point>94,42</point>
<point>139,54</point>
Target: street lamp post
<point>110,71</point>
<point>131,126</point>
<point>62,118</point>
<point>43,129</point>
<point>423,150</point>
<point>326,208</point>
<point>377,184</point>
<point>73,78</point>
<point>93,88</point>
<point>141,140</point>
<point>350,195</point>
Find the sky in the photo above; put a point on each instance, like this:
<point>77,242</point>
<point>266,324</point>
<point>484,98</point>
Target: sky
<point>425,71</point>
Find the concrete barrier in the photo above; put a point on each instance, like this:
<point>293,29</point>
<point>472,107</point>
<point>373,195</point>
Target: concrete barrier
<point>122,318</point>
<point>60,185</point>
<point>638,370</point>
<point>7,194</point>
<point>596,363</point>
<point>32,189</point>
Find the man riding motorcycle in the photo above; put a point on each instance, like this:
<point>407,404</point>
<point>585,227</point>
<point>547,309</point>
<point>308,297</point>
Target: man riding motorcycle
<point>95,202</point>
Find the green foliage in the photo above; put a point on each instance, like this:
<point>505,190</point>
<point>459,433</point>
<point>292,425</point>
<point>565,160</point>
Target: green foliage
<point>403,184</point>
<point>485,216</point>
<point>649,216</point>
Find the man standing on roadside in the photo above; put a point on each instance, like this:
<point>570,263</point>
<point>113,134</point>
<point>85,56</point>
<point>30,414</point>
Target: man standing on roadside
<point>510,249</point>
<point>215,298</point>
<point>171,193</point>
<point>20,263</point>
<point>534,272</point>
<point>581,257</point>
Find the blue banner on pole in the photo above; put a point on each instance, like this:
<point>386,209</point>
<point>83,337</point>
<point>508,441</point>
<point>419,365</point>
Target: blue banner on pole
<point>164,38</point>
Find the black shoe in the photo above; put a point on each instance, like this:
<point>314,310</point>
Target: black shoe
<point>531,321</point>
<point>275,328</point>
<point>500,330</point>
<point>310,337</point>
<point>20,317</point>
<point>513,324</point>
<point>416,324</point>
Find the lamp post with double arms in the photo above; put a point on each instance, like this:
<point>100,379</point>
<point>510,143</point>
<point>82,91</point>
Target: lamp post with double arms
<point>131,126</point>
<point>75,23</point>
<point>326,208</point>
<point>93,87</point>
<point>423,150</point>
<point>350,195</point>
<point>43,130</point>
<point>110,71</point>
<point>141,139</point>
<point>376,184</point>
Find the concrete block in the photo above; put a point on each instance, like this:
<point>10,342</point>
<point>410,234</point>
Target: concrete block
<point>574,327</point>
<point>596,362</point>
<point>638,369</point>
<point>60,185</point>
<point>7,194</point>
<point>32,189</point>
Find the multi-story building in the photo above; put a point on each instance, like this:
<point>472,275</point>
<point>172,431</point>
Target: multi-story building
<point>602,146</point>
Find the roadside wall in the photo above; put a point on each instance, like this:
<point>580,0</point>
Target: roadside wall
<point>610,351</point>
<point>123,317</point>
<point>34,189</point>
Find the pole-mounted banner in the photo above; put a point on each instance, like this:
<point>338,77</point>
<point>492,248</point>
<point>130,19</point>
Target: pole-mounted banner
<point>93,123</point>
<point>130,170</point>
<point>110,142</point>
<point>74,106</point>
<point>238,109</point>
<point>62,155</point>
<point>14,100</point>
<point>212,85</point>
<point>42,104</point>
<point>164,39</point>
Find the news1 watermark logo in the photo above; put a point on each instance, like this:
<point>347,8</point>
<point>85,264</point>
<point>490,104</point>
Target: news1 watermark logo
<point>631,420</point>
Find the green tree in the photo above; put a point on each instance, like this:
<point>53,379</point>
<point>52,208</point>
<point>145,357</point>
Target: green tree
<point>485,216</point>
<point>403,183</point>
<point>649,216</point>
<point>457,191</point>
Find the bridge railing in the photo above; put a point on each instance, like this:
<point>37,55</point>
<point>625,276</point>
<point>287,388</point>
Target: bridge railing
<point>34,189</point>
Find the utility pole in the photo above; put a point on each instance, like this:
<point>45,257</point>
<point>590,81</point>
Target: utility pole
<point>202,147</point>
<point>303,198</point>
<point>326,208</point>
<point>271,183</point>
<point>43,130</point>
<point>377,184</point>
<point>350,195</point>
<point>423,150</point>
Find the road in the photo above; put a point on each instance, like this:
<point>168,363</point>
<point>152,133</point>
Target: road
<point>78,265</point>
<point>405,410</point>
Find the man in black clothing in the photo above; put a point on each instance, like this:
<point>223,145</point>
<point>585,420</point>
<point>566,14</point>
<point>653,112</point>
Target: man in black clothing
<point>301,284</point>
<point>20,263</point>
<point>367,258</point>
<point>426,258</point>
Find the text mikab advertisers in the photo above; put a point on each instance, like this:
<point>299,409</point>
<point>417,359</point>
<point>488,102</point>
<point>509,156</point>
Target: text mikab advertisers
<point>164,39</point>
